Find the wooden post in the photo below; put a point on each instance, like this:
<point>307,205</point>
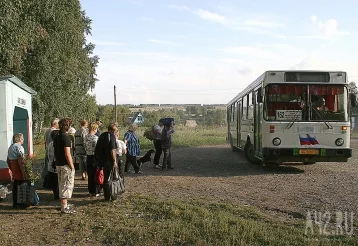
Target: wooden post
<point>115,105</point>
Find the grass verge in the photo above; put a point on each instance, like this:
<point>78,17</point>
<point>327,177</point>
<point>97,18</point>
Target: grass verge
<point>183,137</point>
<point>142,220</point>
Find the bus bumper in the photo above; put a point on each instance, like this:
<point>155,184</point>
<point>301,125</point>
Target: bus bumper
<point>292,155</point>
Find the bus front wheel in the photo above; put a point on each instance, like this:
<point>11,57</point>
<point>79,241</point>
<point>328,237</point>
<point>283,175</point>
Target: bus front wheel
<point>249,154</point>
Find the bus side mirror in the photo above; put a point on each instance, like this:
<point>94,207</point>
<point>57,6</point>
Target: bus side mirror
<point>354,98</point>
<point>259,95</point>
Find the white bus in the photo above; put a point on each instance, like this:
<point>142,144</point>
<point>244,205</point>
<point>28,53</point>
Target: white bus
<point>292,116</point>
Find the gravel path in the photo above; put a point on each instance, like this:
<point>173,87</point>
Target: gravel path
<point>214,173</point>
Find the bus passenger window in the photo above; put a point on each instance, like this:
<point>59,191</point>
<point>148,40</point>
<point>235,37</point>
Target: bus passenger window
<point>250,111</point>
<point>244,108</point>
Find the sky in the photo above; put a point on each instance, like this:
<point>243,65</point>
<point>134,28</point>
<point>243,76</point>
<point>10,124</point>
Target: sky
<point>206,51</point>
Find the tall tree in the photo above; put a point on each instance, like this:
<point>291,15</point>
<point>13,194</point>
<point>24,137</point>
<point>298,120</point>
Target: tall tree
<point>43,42</point>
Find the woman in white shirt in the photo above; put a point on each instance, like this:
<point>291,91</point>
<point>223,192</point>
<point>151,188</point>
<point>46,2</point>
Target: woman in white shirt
<point>121,151</point>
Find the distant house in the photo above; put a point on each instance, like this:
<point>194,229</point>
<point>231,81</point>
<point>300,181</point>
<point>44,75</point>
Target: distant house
<point>190,123</point>
<point>137,118</point>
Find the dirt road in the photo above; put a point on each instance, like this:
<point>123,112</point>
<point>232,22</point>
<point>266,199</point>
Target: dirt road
<point>216,174</point>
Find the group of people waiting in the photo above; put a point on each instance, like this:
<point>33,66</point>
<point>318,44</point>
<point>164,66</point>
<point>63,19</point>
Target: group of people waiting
<point>87,146</point>
<point>93,150</point>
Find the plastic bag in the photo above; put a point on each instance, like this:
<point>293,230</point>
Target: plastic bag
<point>99,178</point>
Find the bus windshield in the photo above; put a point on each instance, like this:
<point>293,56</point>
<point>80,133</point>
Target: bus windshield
<point>289,102</point>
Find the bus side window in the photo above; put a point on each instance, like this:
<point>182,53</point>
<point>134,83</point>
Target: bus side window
<point>244,108</point>
<point>250,111</point>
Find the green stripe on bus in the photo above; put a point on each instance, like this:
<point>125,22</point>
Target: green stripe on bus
<point>295,151</point>
<point>323,152</point>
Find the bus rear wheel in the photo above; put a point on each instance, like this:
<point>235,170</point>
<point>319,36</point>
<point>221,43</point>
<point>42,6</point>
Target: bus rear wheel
<point>249,154</point>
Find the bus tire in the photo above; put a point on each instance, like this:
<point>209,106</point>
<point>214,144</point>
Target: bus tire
<point>249,154</point>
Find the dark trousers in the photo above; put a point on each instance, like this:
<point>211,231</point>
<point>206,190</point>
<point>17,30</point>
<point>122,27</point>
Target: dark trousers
<point>106,188</point>
<point>158,150</point>
<point>53,180</point>
<point>167,160</point>
<point>91,172</point>
<point>131,160</point>
<point>120,164</point>
<point>14,192</point>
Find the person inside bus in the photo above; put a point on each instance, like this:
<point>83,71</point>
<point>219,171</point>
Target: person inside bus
<point>321,105</point>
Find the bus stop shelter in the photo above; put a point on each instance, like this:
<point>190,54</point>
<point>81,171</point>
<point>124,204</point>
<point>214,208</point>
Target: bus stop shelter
<point>15,115</point>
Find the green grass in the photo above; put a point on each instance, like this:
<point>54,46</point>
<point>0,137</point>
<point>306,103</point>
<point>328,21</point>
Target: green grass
<point>183,137</point>
<point>142,220</point>
<point>190,137</point>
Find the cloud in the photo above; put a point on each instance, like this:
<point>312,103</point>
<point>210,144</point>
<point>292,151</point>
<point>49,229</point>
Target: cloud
<point>313,18</point>
<point>257,26</point>
<point>210,16</point>
<point>328,28</point>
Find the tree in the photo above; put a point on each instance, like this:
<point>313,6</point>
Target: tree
<point>43,43</point>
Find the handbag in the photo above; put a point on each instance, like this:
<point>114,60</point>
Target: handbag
<point>99,178</point>
<point>116,184</point>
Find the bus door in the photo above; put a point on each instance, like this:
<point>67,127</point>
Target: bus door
<point>257,124</point>
<point>239,124</point>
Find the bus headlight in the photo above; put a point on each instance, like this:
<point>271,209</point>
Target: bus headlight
<point>339,141</point>
<point>276,141</point>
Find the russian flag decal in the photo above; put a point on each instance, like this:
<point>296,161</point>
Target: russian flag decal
<point>312,139</point>
<point>304,140</point>
<point>308,139</point>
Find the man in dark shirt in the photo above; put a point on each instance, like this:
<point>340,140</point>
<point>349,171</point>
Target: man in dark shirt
<point>64,165</point>
<point>106,155</point>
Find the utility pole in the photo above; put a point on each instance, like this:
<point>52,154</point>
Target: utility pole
<point>115,105</point>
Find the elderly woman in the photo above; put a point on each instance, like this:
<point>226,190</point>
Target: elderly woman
<point>90,147</point>
<point>133,148</point>
<point>64,165</point>
<point>16,162</point>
